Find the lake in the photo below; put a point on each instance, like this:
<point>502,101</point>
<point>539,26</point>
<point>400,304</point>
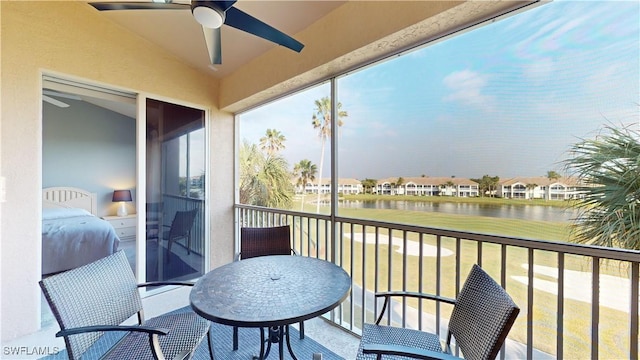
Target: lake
<point>523,212</point>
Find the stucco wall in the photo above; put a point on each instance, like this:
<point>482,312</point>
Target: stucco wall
<point>73,40</point>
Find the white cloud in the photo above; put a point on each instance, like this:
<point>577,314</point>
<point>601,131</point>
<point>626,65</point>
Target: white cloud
<point>466,87</point>
<point>539,71</point>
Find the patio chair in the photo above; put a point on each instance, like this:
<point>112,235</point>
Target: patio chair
<point>264,241</point>
<point>482,316</point>
<point>99,297</point>
<point>181,228</point>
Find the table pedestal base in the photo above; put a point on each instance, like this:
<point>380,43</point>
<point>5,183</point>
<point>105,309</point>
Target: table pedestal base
<point>276,334</point>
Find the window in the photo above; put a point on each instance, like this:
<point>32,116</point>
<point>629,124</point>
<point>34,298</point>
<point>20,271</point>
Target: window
<point>175,208</point>
<point>506,99</point>
<point>291,139</point>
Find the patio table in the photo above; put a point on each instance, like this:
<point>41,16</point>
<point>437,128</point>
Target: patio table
<point>270,292</point>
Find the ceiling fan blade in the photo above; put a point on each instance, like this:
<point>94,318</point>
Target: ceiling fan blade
<point>62,95</point>
<point>245,22</point>
<point>138,6</point>
<point>53,101</point>
<point>214,44</point>
<point>225,5</point>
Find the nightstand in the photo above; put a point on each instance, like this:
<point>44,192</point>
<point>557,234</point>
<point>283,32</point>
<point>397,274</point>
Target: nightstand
<point>125,226</point>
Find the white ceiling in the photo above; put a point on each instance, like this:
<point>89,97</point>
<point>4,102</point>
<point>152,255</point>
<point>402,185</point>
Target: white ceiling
<point>179,33</point>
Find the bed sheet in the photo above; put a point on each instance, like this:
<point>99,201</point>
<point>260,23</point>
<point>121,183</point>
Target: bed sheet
<point>74,237</point>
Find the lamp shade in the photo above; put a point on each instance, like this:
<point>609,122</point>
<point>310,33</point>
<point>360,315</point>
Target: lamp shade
<point>121,195</point>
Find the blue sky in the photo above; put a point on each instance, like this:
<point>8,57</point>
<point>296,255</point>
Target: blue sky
<point>505,99</point>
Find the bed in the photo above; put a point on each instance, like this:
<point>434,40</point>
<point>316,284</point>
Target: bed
<point>72,234</point>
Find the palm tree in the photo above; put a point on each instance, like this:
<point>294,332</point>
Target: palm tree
<point>487,184</point>
<point>369,185</point>
<point>264,180</point>
<point>493,185</point>
<point>448,185</point>
<point>321,120</point>
<point>305,171</point>
<point>608,168</point>
<point>399,183</point>
<point>530,189</point>
<point>552,175</point>
<point>272,142</point>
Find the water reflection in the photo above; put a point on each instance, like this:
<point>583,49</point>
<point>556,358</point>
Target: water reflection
<point>523,212</point>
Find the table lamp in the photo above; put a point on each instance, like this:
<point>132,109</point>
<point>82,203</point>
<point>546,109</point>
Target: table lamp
<point>121,196</point>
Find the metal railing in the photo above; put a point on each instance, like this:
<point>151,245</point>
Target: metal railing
<point>576,301</point>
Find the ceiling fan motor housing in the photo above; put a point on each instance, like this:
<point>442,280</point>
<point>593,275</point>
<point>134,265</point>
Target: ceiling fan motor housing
<point>208,14</point>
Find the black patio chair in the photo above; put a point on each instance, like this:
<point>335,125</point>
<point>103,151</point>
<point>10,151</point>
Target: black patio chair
<point>264,241</point>
<point>482,316</point>
<point>99,297</point>
<point>180,228</point>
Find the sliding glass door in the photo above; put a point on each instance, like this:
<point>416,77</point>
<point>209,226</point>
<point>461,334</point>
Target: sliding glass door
<point>175,191</point>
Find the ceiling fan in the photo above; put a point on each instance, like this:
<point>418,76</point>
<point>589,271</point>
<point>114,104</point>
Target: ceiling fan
<point>212,15</point>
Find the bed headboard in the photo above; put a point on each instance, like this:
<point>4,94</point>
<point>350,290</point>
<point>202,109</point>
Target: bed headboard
<point>70,197</point>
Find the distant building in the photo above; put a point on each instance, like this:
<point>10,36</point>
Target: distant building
<point>428,186</point>
<point>541,187</point>
<point>345,186</point>
<point>564,188</point>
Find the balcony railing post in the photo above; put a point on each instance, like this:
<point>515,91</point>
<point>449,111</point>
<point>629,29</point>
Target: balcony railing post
<point>560,310</point>
<point>635,282</point>
<point>530,288</point>
<point>595,308</point>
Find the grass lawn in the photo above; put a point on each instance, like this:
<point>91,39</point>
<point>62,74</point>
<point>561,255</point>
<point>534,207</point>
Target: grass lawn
<point>613,324</point>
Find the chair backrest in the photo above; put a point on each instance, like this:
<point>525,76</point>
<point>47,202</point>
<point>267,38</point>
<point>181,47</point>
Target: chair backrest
<point>103,292</point>
<point>482,316</point>
<point>265,241</point>
<point>182,223</point>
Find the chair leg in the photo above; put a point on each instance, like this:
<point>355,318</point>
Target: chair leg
<point>210,341</point>
<point>189,243</point>
<point>301,330</point>
<point>169,250</point>
<point>235,338</point>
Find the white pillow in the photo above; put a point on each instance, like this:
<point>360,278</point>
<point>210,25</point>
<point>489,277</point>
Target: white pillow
<point>61,213</point>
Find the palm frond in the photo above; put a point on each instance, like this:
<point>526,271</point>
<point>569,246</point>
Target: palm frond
<point>609,169</point>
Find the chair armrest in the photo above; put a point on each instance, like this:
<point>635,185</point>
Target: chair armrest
<point>418,295</point>
<point>85,329</point>
<point>400,350</point>
<point>165,283</point>
<point>389,294</point>
<point>153,334</point>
